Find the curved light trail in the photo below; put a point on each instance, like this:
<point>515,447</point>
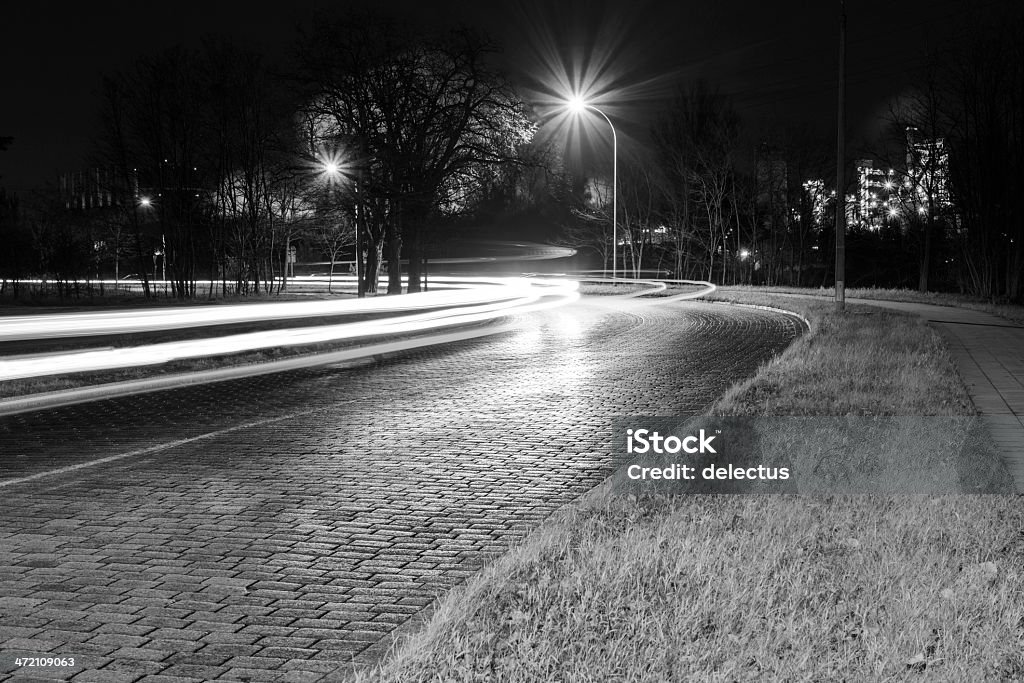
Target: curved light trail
<point>656,285</point>
<point>463,301</point>
<point>458,292</point>
<point>485,299</point>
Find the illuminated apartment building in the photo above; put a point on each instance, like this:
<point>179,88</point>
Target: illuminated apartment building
<point>876,199</point>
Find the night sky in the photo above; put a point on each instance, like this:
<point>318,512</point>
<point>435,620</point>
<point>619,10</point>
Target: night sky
<point>778,59</point>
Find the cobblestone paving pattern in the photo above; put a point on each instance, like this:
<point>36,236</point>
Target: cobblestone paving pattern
<point>284,549</point>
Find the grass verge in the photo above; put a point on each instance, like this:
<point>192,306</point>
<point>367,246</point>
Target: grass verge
<point>634,586</point>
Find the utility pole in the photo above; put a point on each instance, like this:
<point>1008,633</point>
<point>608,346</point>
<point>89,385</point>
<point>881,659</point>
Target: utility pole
<point>841,167</point>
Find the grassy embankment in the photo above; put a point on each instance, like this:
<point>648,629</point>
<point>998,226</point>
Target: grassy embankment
<point>628,586</point>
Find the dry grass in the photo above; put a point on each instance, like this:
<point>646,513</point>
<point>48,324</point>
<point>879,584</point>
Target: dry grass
<point>728,588</point>
<point>758,587</point>
<point>867,361</point>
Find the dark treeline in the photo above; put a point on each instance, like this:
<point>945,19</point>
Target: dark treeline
<point>213,164</point>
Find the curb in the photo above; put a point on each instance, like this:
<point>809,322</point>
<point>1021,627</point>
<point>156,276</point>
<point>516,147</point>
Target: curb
<point>772,309</point>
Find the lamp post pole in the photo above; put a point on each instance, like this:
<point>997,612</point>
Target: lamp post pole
<point>841,167</point>
<point>334,171</point>
<point>615,194</point>
<point>578,105</point>
<point>360,219</point>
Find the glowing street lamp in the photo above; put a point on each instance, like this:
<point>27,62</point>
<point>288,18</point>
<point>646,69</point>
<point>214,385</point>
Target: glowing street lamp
<point>332,169</point>
<point>577,105</point>
<point>147,203</point>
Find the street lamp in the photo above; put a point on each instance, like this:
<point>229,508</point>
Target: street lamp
<point>147,203</point>
<point>577,105</point>
<point>333,171</point>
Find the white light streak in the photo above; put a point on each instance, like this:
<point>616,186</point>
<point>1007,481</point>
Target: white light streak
<point>483,299</point>
<point>460,292</point>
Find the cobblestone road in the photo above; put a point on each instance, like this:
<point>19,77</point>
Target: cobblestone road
<point>275,528</point>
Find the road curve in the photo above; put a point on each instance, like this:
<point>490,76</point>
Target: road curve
<point>277,527</point>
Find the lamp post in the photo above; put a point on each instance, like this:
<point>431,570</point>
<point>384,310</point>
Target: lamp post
<point>147,203</point>
<point>841,167</point>
<point>333,170</point>
<point>577,105</point>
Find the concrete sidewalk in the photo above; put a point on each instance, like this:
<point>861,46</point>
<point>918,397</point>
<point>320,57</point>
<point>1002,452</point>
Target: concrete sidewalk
<point>989,352</point>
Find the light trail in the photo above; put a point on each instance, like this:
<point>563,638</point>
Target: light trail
<point>458,292</point>
<point>503,297</point>
<point>464,301</point>
<point>656,286</point>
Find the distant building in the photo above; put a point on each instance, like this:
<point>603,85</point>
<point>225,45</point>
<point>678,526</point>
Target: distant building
<point>95,188</point>
<point>886,195</point>
<point>877,195</point>
<point>852,212</point>
<point>817,198</point>
<point>100,188</point>
<point>928,170</point>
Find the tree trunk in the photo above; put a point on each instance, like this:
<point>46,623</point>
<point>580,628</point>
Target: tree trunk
<point>415,271</point>
<point>394,257</point>
<point>374,256</point>
<point>414,249</point>
<point>926,257</point>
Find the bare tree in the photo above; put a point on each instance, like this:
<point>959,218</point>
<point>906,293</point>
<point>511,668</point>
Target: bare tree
<point>429,114</point>
<point>697,138</point>
<point>335,234</point>
<point>987,154</point>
